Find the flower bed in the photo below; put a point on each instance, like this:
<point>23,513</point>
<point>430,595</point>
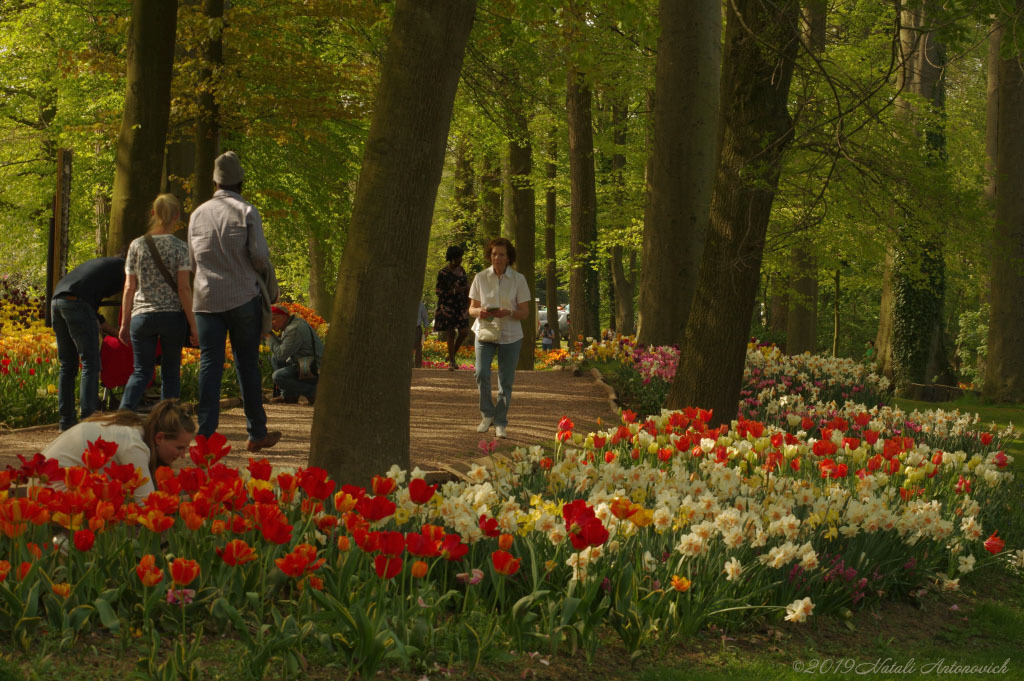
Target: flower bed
<point>650,529</point>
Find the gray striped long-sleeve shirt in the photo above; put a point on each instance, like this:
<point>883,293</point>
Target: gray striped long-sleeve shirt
<point>228,252</point>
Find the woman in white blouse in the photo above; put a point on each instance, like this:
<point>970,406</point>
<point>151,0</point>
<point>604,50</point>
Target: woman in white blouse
<point>499,298</point>
<point>159,440</point>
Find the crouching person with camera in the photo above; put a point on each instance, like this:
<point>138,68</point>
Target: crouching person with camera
<point>295,352</point>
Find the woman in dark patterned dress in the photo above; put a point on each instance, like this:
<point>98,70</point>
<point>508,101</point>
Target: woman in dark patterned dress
<point>452,317</point>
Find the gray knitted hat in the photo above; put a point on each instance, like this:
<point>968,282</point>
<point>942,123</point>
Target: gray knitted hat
<point>227,169</point>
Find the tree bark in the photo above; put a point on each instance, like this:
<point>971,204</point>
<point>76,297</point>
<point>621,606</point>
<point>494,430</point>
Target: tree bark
<point>464,220</point>
<point>490,197</point>
<point>550,221</point>
<point>682,165</point>
<point>760,46</point>
<point>995,38</point>
<point>801,321</point>
<point>361,422</point>
<point>147,107</point>
<point>778,304</point>
<point>208,119</point>
<point>802,315</point>
<point>919,277</point>
<point>623,285</point>
<point>1004,368</point>
<point>524,227</point>
<point>584,291</point>
<point>321,293</point>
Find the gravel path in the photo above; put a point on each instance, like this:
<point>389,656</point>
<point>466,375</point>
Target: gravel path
<point>443,419</point>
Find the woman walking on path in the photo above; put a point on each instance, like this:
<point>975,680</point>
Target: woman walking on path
<point>499,299</point>
<point>157,305</point>
<point>452,316</point>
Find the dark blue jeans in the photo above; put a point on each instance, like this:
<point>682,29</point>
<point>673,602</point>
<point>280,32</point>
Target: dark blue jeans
<point>147,329</point>
<point>242,325</point>
<point>78,339</point>
<point>286,376</point>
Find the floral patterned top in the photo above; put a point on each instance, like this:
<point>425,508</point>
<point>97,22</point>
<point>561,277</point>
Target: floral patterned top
<point>154,293</point>
<point>452,306</point>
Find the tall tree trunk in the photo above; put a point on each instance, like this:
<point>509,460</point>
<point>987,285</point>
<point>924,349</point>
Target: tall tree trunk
<point>464,220</point>
<point>321,289</point>
<point>761,41</point>
<point>883,340</point>
<point>147,108</point>
<point>507,210</point>
<point>919,275</point>
<point>179,167</point>
<point>584,287</point>
<point>995,38</point>
<point>778,304</point>
<point>361,422</point>
<point>682,165</point>
<point>623,285</point>
<point>801,317</point>
<point>550,221</point>
<point>524,227</point>
<point>1004,368</point>
<point>208,119</point>
<point>490,197</point>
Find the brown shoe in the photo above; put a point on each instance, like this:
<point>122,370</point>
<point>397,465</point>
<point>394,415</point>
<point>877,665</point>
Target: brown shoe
<point>281,399</point>
<point>270,440</point>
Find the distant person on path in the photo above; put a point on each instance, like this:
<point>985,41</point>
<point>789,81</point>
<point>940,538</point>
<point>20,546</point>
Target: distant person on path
<point>77,325</point>
<point>229,256</point>
<point>452,316</point>
<point>547,337</point>
<point>295,356</point>
<point>422,328</point>
<point>157,304</point>
<point>499,298</point>
<point>163,437</point>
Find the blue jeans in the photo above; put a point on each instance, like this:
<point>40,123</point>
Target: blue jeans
<point>242,325</point>
<point>286,376</point>
<point>147,328</point>
<point>78,338</point>
<point>508,357</point>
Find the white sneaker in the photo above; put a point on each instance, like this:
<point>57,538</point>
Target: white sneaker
<point>499,431</point>
<point>485,425</point>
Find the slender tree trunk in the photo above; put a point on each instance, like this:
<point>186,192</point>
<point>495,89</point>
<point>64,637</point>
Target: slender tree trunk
<point>321,289</point>
<point>995,39</point>
<point>524,226</point>
<point>550,221</point>
<point>490,197</point>
<point>835,317</point>
<point>464,220</point>
<point>147,107</point>
<point>361,422</point>
<point>919,276</point>
<point>883,340</point>
<point>802,317</point>
<point>208,119</point>
<point>584,287</point>
<point>507,210</point>
<point>778,304</point>
<point>623,287</point>
<point>1004,368</point>
<point>761,41</point>
<point>682,165</point>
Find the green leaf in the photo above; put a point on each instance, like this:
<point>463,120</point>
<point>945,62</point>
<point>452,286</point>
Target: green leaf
<point>107,615</point>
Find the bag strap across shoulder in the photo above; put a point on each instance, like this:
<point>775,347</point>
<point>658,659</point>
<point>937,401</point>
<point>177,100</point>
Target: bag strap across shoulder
<point>151,244</point>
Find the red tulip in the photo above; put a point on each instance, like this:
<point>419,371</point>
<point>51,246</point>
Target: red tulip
<point>387,566</point>
<point>504,563</point>
<point>84,540</point>
<point>237,552</point>
<point>184,571</point>
<point>420,492</point>
<point>994,544</point>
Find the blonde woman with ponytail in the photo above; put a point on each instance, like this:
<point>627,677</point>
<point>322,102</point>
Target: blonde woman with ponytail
<point>158,440</point>
<point>151,309</point>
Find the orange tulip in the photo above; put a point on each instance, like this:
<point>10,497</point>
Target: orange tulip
<point>63,589</point>
<point>505,542</point>
<point>184,571</point>
<point>680,583</point>
<point>149,574</point>
<point>504,563</point>
<point>237,552</point>
<point>418,569</point>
